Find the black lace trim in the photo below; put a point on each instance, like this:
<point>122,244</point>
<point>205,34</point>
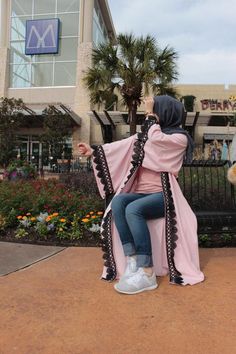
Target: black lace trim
<point>105,178</point>
<point>171,230</point>
<point>102,168</point>
<point>106,243</point>
<point>138,155</point>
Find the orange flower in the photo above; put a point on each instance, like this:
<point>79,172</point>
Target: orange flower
<point>99,212</point>
<point>55,214</point>
<point>19,217</point>
<point>91,212</point>
<point>62,220</point>
<point>85,220</point>
<point>87,216</point>
<point>48,218</point>
<point>93,217</point>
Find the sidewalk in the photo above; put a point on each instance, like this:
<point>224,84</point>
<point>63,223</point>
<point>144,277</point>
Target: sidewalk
<point>60,306</point>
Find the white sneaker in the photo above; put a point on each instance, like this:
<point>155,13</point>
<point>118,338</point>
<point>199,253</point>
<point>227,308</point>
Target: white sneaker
<point>131,268</point>
<point>136,283</point>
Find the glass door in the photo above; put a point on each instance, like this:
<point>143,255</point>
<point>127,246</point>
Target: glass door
<point>36,153</point>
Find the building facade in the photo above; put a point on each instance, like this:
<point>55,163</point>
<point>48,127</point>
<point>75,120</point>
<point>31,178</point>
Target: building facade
<point>45,47</point>
<point>215,123</point>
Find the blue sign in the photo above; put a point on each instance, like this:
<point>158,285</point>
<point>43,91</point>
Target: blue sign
<point>42,36</point>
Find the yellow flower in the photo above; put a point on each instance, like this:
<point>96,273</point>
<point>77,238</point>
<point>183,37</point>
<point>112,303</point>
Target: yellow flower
<point>24,218</point>
<point>60,229</point>
<point>19,217</point>
<point>93,217</point>
<point>99,212</point>
<point>85,220</point>
<point>33,218</point>
<point>62,220</point>
<point>91,212</point>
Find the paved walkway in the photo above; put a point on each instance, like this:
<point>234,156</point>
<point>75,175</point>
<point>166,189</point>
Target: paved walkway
<point>15,256</point>
<point>59,306</point>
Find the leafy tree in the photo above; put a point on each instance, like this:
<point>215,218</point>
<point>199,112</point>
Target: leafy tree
<point>11,119</point>
<point>131,67</point>
<point>57,128</point>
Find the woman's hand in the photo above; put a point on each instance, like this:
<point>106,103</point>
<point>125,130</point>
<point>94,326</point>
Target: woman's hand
<point>85,149</point>
<point>149,104</point>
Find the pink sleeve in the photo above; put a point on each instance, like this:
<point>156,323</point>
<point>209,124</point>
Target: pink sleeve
<point>164,152</point>
<point>111,162</point>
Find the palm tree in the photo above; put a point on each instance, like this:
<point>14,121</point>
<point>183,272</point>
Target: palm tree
<point>132,66</point>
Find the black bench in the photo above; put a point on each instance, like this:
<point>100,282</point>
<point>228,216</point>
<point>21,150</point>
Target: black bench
<point>212,197</point>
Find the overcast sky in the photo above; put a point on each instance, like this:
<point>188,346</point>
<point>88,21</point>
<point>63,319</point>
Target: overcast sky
<point>203,32</point>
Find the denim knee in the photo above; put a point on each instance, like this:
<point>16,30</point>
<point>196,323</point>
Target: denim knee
<point>130,211</point>
<point>117,203</point>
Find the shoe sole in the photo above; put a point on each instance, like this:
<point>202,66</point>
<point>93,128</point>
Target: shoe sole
<point>153,287</point>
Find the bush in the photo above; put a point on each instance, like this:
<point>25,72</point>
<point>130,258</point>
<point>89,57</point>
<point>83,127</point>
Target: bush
<point>19,169</point>
<point>47,208</point>
<point>82,181</point>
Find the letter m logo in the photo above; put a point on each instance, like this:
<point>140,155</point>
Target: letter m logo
<point>42,36</point>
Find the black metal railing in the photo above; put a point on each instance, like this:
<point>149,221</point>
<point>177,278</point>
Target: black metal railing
<point>212,197</point>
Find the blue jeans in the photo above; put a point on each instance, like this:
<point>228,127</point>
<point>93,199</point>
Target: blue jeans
<point>131,212</point>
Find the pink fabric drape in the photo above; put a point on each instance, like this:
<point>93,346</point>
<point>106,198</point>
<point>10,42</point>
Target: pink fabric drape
<point>163,153</point>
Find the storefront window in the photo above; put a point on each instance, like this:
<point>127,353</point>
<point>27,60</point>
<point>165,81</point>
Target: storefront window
<point>69,24</point>
<point>68,50</point>
<point>22,7</point>
<point>44,6</point>
<point>20,75</point>
<point>44,70</point>
<point>64,73</point>
<point>68,5</point>
<point>99,28</point>
<point>42,74</point>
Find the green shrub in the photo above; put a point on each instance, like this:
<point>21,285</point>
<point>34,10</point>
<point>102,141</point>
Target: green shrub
<point>47,208</point>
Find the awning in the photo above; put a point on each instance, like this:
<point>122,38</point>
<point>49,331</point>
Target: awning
<point>36,110</point>
<point>212,136</point>
<point>113,118</point>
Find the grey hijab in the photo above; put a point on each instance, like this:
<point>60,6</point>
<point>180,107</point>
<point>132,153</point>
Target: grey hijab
<point>171,112</point>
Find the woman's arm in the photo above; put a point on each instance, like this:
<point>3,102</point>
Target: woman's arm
<point>111,163</point>
<point>164,152</point>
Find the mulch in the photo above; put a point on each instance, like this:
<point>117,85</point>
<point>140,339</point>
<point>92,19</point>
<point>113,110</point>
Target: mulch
<point>89,239</point>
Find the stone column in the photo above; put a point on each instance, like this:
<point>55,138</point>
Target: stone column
<point>82,103</point>
<point>4,34</point>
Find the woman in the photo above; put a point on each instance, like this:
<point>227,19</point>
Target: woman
<point>148,228</point>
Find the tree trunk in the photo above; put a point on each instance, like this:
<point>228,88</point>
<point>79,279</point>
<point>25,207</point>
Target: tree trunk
<point>133,118</point>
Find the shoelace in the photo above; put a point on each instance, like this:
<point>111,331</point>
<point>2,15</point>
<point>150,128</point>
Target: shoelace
<point>132,264</point>
<point>137,276</point>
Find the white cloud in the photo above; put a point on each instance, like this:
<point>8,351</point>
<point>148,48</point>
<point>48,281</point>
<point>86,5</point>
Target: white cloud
<point>201,31</point>
<point>212,67</point>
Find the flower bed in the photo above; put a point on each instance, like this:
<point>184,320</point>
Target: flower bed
<point>68,213</point>
<point>49,212</point>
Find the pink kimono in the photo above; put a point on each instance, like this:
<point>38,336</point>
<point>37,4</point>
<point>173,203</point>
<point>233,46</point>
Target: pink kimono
<point>174,237</point>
